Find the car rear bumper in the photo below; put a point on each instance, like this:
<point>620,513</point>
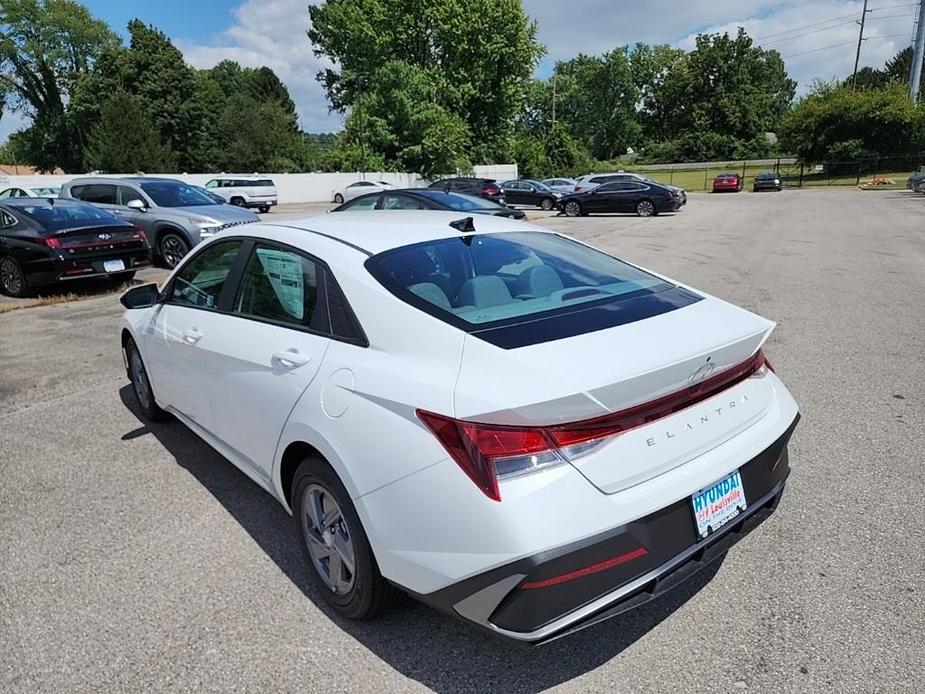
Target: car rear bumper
<point>60,269</point>
<point>546,596</point>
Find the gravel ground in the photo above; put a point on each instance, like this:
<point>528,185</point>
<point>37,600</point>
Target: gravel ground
<point>133,558</point>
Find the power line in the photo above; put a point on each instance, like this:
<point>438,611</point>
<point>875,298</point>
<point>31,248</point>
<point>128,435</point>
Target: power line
<point>844,43</point>
<point>805,26</point>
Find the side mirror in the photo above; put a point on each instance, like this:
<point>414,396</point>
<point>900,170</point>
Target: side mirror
<point>136,204</point>
<point>143,296</point>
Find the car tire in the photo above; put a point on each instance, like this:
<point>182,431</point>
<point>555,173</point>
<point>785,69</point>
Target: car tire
<point>172,247</point>
<point>572,209</point>
<point>141,384</point>
<point>318,493</point>
<point>264,209</point>
<point>122,277</point>
<point>238,201</point>
<point>546,204</point>
<point>13,281</point>
<point>339,199</point>
<point>646,208</point>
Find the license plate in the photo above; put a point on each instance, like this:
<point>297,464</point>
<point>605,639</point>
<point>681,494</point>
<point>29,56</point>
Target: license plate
<point>113,265</point>
<point>501,201</point>
<point>718,504</point>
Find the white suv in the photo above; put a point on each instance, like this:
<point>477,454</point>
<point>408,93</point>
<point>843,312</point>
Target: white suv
<point>245,191</point>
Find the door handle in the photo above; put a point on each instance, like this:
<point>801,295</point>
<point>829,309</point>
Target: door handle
<point>192,336</point>
<point>291,358</point>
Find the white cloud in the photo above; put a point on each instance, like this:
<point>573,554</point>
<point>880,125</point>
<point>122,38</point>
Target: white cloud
<point>273,33</point>
<point>10,123</point>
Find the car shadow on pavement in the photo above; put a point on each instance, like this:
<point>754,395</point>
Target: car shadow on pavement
<point>441,653</point>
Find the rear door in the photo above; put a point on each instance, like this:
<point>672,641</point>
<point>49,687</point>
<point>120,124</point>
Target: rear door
<point>268,350</point>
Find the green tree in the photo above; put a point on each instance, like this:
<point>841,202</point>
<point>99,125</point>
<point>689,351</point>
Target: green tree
<point>255,136</point>
<point>125,141</point>
<point>399,119</point>
<point>835,122</point>
<point>45,46</point>
<point>478,56</point>
<point>597,97</point>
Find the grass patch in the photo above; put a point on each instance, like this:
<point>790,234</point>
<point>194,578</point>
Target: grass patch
<point>702,179</point>
<point>66,298</point>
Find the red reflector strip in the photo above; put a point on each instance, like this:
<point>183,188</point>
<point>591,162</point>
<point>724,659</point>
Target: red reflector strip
<point>586,571</point>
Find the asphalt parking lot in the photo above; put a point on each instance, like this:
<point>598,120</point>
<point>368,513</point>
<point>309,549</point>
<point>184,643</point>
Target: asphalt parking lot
<point>134,558</point>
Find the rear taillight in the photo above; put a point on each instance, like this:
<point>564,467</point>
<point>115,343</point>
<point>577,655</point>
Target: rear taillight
<point>51,241</point>
<point>140,234</point>
<point>488,453</point>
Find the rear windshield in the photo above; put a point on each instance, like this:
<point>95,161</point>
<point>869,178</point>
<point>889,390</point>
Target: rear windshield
<point>67,215</point>
<point>176,194</point>
<point>482,281</point>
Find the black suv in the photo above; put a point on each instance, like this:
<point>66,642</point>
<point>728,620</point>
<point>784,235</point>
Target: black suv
<point>486,188</point>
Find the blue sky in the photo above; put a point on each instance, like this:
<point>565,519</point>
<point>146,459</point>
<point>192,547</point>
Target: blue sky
<point>816,37</point>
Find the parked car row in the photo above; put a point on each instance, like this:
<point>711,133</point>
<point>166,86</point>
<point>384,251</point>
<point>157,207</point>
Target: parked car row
<point>109,227</point>
<point>734,182</point>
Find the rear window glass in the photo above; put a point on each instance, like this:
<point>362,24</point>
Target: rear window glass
<point>458,201</point>
<point>63,215</point>
<point>481,281</point>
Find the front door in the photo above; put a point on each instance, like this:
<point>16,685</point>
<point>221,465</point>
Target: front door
<point>603,198</point>
<point>269,349</point>
<point>183,332</point>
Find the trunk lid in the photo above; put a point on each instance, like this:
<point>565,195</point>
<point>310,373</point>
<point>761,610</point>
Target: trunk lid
<point>598,373</point>
<point>96,239</point>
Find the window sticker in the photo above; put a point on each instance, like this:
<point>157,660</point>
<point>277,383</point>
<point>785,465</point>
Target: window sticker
<point>284,270</point>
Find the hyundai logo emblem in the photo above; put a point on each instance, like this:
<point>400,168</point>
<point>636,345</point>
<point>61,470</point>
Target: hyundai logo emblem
<point>104,236</point>
<point>701,373</point>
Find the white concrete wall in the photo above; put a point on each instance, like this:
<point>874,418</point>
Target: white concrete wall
<point>306,187</point>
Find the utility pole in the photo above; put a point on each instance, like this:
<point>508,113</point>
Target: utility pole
<point>554,100</point>
<point>857,56</point>
<point>918,55</point>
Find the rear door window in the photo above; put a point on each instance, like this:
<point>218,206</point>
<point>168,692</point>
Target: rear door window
<point>101,194</point>
<point>394,201</point>
<point>282,286</point>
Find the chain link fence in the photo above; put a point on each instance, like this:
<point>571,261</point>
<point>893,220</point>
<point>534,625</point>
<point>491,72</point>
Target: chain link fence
<point>880,172</point>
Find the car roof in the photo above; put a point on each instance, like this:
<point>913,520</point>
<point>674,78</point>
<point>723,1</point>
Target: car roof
<point>115,180</point>
<point>376,231</point>
<point>233,177</point>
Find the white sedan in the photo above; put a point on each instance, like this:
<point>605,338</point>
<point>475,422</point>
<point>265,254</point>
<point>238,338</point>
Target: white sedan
<point>357,189</point>
<point>504,422</point>
<point>36,192</point>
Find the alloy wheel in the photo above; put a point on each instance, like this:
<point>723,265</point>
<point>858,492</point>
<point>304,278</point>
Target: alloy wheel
<point>572,209</point>
<point>140,378</point>
<point>172,250</point>
<point>645,208</point>
<point>11,277</point>
<point>546,204</point>
<point>328,539</point>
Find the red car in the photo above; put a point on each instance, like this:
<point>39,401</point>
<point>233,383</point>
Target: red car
<point>727,182</point>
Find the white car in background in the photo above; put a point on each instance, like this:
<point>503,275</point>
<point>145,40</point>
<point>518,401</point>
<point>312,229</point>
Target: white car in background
<point>34,192</point>
<point>506,423</point>
<point>245,191</point>
<point>357,189</point>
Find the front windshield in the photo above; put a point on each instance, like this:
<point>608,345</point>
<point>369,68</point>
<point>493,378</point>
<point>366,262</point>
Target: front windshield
<point>176,194</point>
